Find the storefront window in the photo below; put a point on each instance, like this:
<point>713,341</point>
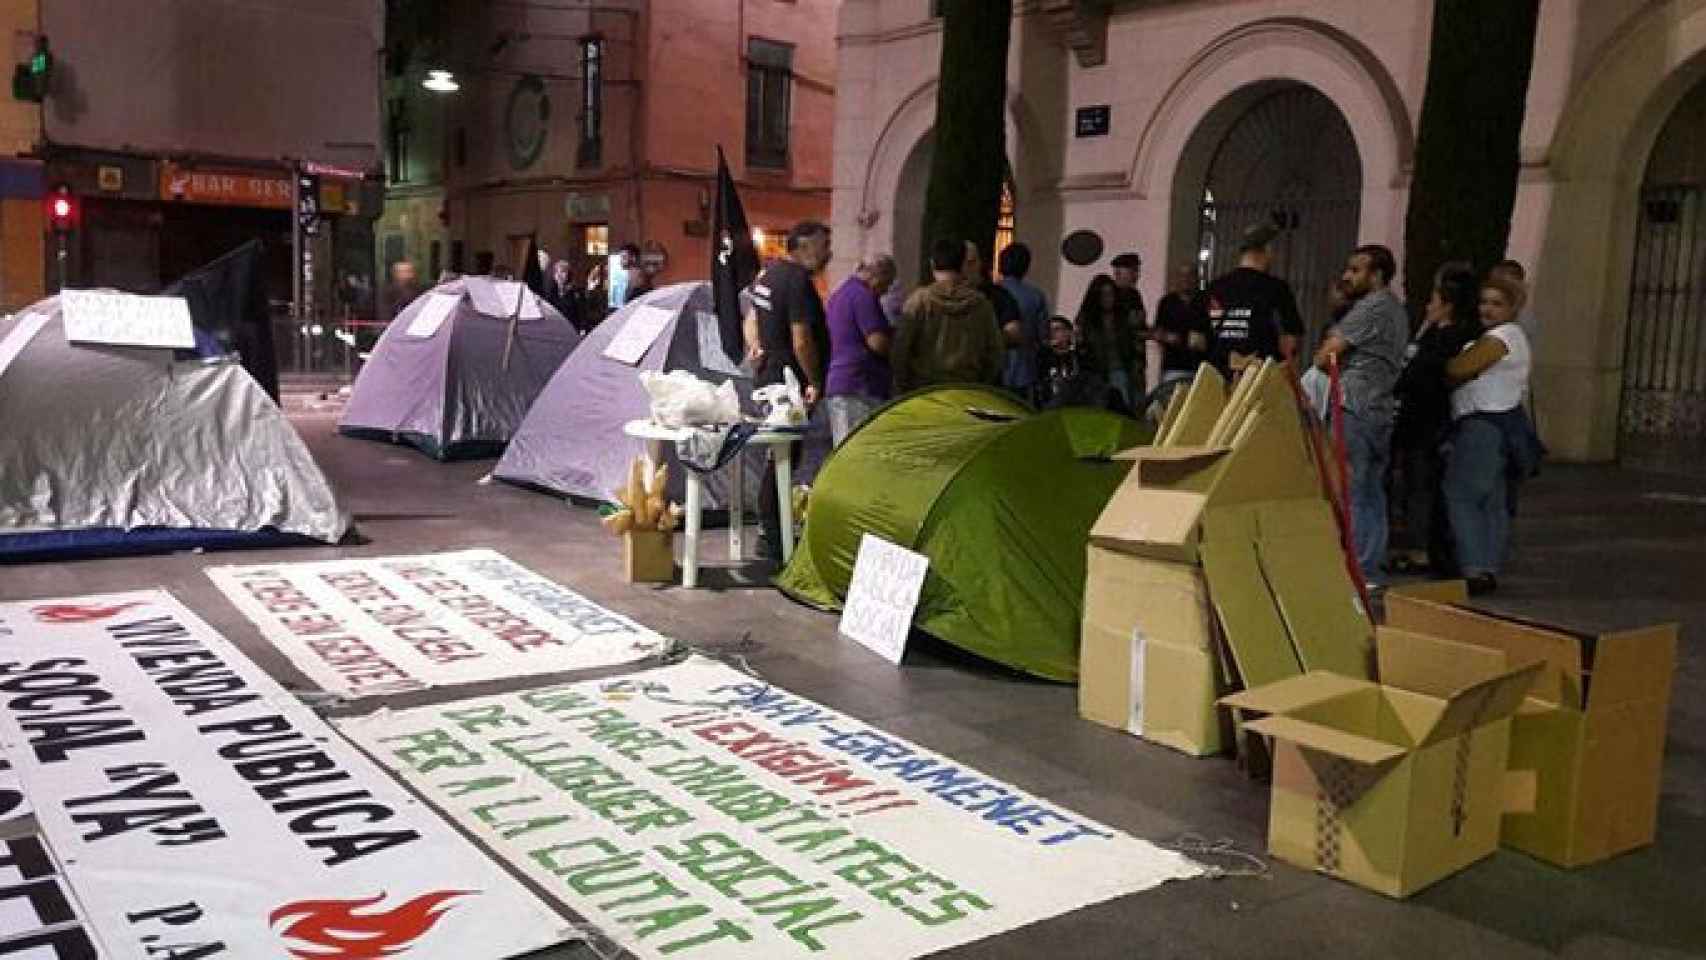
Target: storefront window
<point>597,240</point>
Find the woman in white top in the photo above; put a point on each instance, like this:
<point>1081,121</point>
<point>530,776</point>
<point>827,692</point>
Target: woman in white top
<point>1491,378</point>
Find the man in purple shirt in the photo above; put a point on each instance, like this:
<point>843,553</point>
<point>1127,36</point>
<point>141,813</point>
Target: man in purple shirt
<point>859,380</point>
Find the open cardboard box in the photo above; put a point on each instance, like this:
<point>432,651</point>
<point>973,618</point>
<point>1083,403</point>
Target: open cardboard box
<point>1588,746</point>
<point>1396,785</point>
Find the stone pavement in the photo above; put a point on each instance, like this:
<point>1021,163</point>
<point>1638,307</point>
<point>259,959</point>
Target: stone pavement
<point>1597,548</point>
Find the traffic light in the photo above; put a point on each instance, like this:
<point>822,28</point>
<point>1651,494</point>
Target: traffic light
<point>62,210</point>
<point>30,78</point>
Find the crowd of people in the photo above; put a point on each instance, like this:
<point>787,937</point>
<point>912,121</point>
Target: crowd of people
<point>585,302</point>
<point>1429,418</point>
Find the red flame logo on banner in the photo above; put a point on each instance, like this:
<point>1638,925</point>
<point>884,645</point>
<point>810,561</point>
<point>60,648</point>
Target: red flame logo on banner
<point>347,930</point>
<point>78,613</point>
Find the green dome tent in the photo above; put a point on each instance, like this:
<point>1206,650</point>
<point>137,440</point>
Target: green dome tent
<point>999,497</point>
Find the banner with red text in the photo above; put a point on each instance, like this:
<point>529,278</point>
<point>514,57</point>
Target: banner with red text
<point>696,812</point>
<point>199,810</point>
<point>373,626</point>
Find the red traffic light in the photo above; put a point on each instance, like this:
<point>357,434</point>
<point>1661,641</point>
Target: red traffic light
<point>62,209</point>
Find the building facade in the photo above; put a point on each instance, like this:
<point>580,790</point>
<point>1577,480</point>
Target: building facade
<point>182,135</point>
<point>22,238</point>
<point>591,125</point>
<point>1219,114</point>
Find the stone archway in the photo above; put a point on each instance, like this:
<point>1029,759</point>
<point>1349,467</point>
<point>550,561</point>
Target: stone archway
<point>891,196</point>
<point>1278,152</point>
<point>1224,81</point>
<point>1662,425</point>
<point>1597,166</point>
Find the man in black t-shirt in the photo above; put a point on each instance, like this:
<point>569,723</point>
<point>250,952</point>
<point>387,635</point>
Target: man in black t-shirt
<point>794,334</point>
<point>791,326</point>
<point>1253,314</point>
<point>1181,326</point>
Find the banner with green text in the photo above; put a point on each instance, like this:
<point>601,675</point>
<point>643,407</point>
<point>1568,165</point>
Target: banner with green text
<point>698,812</point>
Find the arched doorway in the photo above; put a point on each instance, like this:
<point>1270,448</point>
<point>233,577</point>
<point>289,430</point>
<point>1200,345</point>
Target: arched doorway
<point>1278,152</point>
<point>1663,424</point>
<point>909,251</point>
<point>909,209</point>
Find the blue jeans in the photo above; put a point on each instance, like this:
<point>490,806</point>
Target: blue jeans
<point>846,413</point>
<point>1475,495</point>
<point>1368,447</point>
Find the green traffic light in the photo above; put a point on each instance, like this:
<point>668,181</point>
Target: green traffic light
<point>40,62</point>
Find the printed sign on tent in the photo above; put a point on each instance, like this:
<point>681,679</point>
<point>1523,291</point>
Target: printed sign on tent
<point>639,331</point>
<point>193,801</point>
<point>374,626</point>
<point>435,309</point>
<point>126,320</point>
<point>498,298</point>
<point>887,580</point>
<point>696,812</point>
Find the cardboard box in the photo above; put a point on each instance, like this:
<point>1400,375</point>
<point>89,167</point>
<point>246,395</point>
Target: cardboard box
<point>1397,785</point>
<point>648,556</point>
<point>1149,668</point>
<point>1205,549</point>
<point>1588,746</point>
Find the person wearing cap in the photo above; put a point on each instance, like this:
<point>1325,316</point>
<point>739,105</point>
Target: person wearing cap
<point>1127,270</point>
<point>1252,312</point>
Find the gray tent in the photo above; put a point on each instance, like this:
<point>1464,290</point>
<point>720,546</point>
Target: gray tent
<point>572,440</point>
<point>454,374</point>
<point>130,449</point>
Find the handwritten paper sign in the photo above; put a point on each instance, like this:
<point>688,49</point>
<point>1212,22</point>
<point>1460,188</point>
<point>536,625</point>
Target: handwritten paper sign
<point>697,813</point>
<point>497,298</point>
<point>126,320</point>
<point>434,309</point>
<point>638,333</point>
<point>886,582</point>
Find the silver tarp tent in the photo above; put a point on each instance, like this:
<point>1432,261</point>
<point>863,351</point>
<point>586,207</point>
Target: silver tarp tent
<point>457,370</point>
<point>572,440</point>
<point>101,443</point>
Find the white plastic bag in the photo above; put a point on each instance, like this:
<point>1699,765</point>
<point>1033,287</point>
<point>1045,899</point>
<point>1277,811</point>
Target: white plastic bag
<point>680,399</point>
<point>783,402</point>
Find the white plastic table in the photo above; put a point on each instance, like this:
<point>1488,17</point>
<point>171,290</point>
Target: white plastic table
<point>656,436</point>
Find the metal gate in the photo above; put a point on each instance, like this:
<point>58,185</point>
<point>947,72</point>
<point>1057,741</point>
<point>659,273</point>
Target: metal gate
<point>1292,161</point>
<point>1664,361</point>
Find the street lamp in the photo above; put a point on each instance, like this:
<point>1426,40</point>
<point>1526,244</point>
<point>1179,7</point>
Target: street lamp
<point>441,81</point>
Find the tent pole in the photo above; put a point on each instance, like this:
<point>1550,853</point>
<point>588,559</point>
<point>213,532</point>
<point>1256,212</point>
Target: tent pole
<point>514,318</point>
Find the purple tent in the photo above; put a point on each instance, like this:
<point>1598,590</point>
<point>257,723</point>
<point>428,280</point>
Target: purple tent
<point>456,372</point>
<point>572,441</point>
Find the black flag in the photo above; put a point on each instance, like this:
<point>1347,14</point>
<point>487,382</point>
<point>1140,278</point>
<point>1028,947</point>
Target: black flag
<point>734,260</point>
<point>533,274</point>
<point>228,299</point>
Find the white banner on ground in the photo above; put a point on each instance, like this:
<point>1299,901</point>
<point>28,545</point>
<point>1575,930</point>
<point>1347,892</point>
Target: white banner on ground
<point>194,802</point>
<point>40,918</point>
<point>639,331</point>
<point>374,626</point>
<point>13,803</point>
<point>125,319</point>
<point>887,580</point>
<point>696,812</point>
